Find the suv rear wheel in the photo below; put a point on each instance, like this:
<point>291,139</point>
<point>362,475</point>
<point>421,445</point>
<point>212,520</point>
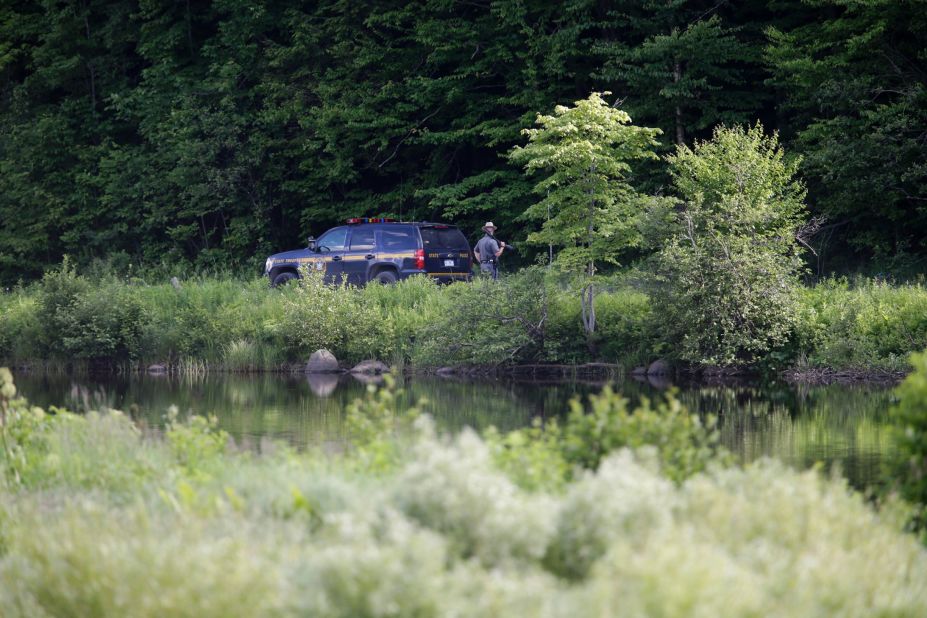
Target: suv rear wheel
<point>386,277</point>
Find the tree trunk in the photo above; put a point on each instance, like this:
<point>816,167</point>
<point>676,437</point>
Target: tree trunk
<point>587,304</point>
<point>588,293</point>
<point>680,130</point>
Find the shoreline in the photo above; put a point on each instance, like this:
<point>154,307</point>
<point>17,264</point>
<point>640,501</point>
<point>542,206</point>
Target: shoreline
<point>535,372</point>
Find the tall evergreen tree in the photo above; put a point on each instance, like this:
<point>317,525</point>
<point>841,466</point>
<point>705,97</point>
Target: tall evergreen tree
<point>680,65</point>
<point>854,81</point>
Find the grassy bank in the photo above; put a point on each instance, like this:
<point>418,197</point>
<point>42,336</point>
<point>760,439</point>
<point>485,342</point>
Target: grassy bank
<point>615,512</point>
<point>215,323</point>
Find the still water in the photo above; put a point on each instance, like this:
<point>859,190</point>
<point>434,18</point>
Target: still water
<point>840,425</point>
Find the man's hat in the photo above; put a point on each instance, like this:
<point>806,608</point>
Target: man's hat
<point>489,224</point>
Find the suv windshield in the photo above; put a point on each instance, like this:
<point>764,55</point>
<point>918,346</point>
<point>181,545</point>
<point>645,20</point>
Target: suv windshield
<point>443,237</point>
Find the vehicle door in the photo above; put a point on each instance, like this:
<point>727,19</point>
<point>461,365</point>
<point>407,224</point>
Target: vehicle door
<point>360,253</point>
<point>447,252</point>
<point>329,256</point>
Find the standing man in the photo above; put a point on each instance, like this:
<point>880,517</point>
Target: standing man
<point>488,250</point>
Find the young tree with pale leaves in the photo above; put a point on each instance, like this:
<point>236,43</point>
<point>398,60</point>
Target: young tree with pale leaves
<point>589,208</point>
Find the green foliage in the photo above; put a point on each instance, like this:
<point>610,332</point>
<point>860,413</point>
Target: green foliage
<point>909,417</point>
<point>378,430</point>
<point>21,427</point>
<point>196,444</point>
<point>681,66</point>
<point>82,320</point>
<point>624,332</point>
<point>532,457</point>
<point>20,329</point>
<point>487,322</point>
<point>589,207</point>
<point>728,273</point>
<point>684,444</point>
<point>861,325</point>
<point>199,138</point>
<point>547,456</point>
<point>443,532</point>
<point>850,76</point>
<point>357,323</point>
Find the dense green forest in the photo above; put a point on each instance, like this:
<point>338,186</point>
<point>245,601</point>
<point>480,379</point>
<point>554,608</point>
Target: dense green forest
<point>208,134</point>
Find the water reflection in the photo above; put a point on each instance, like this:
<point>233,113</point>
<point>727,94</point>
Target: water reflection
<point>841,424</point>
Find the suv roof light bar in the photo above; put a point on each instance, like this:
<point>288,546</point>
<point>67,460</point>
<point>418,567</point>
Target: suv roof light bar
<point>354,220</point>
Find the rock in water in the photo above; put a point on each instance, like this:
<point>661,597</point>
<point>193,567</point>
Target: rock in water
<point>659,368</point>
<point>370,367</point>
<point>322,361</point>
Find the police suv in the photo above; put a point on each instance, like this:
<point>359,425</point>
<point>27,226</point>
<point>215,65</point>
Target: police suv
<point>382,250</point>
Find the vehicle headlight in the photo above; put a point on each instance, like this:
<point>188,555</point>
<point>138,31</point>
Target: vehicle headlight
<point>268,265</point>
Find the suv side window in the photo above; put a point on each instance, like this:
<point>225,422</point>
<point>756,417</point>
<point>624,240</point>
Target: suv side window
<point>333,240</point>
<point>443,238</point>
<point>362,237</point>
<point>398,238</point>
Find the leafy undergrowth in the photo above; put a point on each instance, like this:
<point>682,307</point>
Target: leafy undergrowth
<point>97,519</point>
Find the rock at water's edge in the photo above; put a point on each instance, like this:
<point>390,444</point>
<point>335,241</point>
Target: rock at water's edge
<point>322,361</point>
<point>370,367</point>
<point>639,371</point>
<point>659,368</point>
<point>157,368</point>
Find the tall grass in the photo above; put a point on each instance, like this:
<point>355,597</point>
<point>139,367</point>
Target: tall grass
<point>97,519</point>
<point>862,324</point>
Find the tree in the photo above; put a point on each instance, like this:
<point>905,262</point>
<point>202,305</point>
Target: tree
<point>589,206</point>
<point>679,65</point>
<point>728,272</point>
<point>853,79</point>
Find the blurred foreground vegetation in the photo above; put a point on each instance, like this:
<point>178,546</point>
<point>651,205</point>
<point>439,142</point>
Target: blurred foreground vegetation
<point>615,511</point>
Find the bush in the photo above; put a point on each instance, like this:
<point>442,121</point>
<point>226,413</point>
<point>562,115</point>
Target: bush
<point>488,322</point>
<point>86,321</point>
<point>909,416</point>
<point>685,445</point>
<point>728,276</point>
<point>20,329</point>
<point>322,315</point>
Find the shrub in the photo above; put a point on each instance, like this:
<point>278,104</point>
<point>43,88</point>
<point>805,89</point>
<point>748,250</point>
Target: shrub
<point>81,320</point>
<point>488,322</point>
<point>322,315</point>
<point>909,473</point>
<point>685,445</point>
<point>728,275</point>
<point>20,328</point>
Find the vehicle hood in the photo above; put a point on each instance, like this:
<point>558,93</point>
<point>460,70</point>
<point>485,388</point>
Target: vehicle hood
<point>291,255</point>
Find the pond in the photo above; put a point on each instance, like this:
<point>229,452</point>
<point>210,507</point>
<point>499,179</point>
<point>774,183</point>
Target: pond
<point>842,425</point>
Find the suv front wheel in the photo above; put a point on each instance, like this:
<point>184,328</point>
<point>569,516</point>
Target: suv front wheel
<point>283,278</point>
